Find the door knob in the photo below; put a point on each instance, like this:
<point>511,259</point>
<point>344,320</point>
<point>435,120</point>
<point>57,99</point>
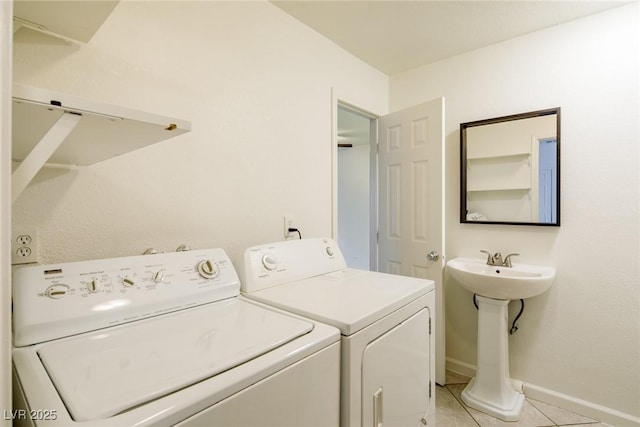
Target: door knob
<point>433,256</point>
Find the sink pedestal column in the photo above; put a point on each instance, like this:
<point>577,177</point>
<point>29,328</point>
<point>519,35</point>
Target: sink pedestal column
<point>491,391</point>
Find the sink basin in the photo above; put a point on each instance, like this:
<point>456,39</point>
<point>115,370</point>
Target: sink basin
<point>498,282</point>
<point>491,390</point>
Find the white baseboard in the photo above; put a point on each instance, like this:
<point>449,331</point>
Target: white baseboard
<point>582,407</point>
<point>461,368</point>
<point>588,409</point>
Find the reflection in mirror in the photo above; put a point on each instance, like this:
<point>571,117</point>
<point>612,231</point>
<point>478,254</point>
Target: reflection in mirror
<point>510,169</point>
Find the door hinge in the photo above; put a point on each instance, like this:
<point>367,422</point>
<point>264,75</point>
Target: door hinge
<point>429,325</point>
<point>429,389</point>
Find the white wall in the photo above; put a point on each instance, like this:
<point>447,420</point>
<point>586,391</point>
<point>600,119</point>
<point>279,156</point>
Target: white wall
<point>256,85</point>
<point>582,338</point>
<point>354,205</point>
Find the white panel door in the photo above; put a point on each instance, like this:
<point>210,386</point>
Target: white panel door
<point>410,167</point>
<point>396,380</point>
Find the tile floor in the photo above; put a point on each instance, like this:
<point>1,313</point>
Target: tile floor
<point>451,412</point>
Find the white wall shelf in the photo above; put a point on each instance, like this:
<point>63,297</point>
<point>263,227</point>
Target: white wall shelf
<point>507,172</point>
<point>67,130</point>
<point>71,21</point>
<point>499,189</point>
<point>500,156</point>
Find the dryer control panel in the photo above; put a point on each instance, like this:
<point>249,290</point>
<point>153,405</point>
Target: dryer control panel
<point>274,264</point>
<point>54,301</point>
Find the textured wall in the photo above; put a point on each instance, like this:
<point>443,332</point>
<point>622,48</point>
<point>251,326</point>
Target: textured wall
<point>256,86</point>
<point>582,338</point>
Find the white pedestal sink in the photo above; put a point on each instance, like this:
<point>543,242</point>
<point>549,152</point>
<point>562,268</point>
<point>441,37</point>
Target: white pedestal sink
<point>491,391</point>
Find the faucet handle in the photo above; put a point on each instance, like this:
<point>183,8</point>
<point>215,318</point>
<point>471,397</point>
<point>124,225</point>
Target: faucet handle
<point>489,256</point>
<point>507,259</point>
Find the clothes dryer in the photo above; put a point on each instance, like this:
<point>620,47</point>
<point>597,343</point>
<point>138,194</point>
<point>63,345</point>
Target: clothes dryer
<point>164,340</point>
<point>388,358</point>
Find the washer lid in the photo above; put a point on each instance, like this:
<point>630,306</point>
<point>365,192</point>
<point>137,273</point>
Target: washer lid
<point>106,372</point>
<point>348,299</point>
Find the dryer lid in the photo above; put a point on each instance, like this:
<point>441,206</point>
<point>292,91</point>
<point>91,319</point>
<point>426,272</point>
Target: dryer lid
<point>349,299</point>
<point>106,372</point>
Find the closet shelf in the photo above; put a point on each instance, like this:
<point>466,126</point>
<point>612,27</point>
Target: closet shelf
<point>478,190</point>
<point>67,130</point>
<point>500,156</point>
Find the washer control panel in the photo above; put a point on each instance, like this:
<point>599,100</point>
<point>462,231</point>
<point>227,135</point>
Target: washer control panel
<point>53,301</point>
<point>274,264</point>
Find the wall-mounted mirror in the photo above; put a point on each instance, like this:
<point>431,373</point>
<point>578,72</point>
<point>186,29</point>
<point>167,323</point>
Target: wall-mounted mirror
<point>510,169</point>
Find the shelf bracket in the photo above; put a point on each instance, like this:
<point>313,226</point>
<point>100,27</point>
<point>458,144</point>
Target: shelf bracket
<point>39,155</point>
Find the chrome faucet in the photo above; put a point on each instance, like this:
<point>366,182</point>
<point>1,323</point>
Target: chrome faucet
<point>507,260</point>
<point>496,259</point>
<point>490,259</point>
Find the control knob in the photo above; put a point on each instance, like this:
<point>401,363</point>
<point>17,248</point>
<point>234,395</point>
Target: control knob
<point>56,291</point>
<point>158,276</point>
<point>93,286</point>
<point>128,281</point>
<point>270,262</point>
<point>208,269</point>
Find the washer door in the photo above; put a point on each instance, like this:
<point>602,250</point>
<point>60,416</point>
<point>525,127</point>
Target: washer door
<point>109,371</point>
<point>395,375</point>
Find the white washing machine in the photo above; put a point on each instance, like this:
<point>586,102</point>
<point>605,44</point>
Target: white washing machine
<point>164,340</point>
<point>388,357</point>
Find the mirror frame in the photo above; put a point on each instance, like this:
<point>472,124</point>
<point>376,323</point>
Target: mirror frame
<point>463,164</point>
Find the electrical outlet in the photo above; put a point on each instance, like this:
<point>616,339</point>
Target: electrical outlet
<point>24,246</point>
<point>289,222</point>
<point>24,240</point>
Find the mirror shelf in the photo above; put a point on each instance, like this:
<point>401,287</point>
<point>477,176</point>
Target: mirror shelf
<point>497,156</point>
<point>506,188</point>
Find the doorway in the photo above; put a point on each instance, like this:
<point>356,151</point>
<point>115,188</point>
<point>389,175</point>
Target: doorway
<point>356,187</point>
<point>547,180</point>
<point>405,196</point>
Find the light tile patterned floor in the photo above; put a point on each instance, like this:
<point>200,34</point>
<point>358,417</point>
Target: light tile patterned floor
<point>452,412</point>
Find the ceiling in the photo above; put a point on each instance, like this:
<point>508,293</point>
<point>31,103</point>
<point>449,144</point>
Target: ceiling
<point>394,36</point>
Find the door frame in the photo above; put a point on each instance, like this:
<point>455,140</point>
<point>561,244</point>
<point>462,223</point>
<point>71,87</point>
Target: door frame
<point>337,102</point>
<point>373,179</point>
